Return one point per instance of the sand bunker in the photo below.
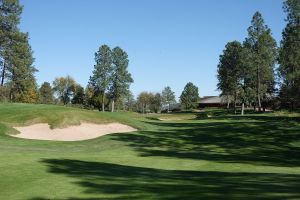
(83, 131)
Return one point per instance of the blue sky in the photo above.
(169, 42)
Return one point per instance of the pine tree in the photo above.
(121, 78)
(23, 87)
(46, 93)
(234, 74)
(263, 53)
(289, 56)
(102, 74)
(78, 95)
(10, 11)
(17, 70)
(229, 70)
(189, 96)
(168, 97)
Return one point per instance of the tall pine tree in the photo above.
(289, 56)
(17, 70)
(121, 78)
(10, 11)
(102, 74)
(229, 69)
(263, 51)
(22, 83)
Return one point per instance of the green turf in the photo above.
(222, 157)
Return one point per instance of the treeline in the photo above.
(148, 102)
(247, 73)
(108, 85)
(68, 92)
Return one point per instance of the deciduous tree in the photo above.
(64, 88)
(78, 97)
(143, 101)
(155, 102)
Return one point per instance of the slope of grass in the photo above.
(221, 157)
(56, 116)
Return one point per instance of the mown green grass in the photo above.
(222, 157)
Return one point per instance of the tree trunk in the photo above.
(113, 105)
(103, 103)
(259, 103)
(235, 104)
(228, 104)
(168, 108)
(243, 108)
(258, 90)
(3, 74)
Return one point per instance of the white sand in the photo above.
(83, 131)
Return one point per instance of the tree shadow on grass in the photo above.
(112, 181)
(259, 140)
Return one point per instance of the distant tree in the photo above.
(143, 101)
(64, 88)
(46, 93)
(263, 52)
(4, 93)
(155, 102)
(289, 56)
(102, 74)
(121, 78)
(88, 96)
(168, 97)
(78, 97)
(189, 96)
(128, 102)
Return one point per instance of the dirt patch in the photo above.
(84, 131)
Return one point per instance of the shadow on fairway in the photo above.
(258, 140)
(127, 182)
